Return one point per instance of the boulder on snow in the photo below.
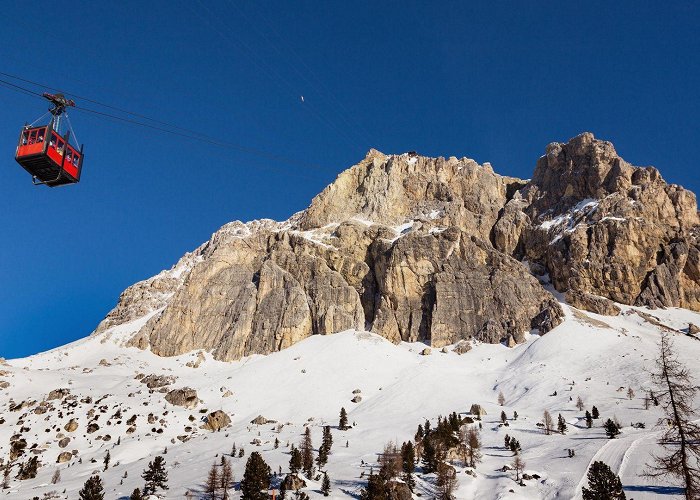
(293, 482)
(425, 352)
(356, 399)
(155, 381)
(64, 456)
(184, 396)
(217, 420)
(477, 410)
(57, 394)
(462, 347)
(693, 329)
(64, 442)
(260, 420)
(71, 426)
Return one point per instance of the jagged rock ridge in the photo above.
(434, 250)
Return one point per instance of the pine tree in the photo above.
(612, 429)
(419, 434)
(322, 457)
(518, 466)
(256, 478)
(56, 478)
(504, 417)
(277, 443)
(136, 495)
(295, 461)
(377, 488)
(594, 413)
(156, 476)
(579, 403)
(327, 441)
(92, 489)
(233, 450)
(548, 423)
(408, 464)
(506, 441)
(515, 446)
(426, 428)
(307, 453)
(212, 482)
(561, 424)
(515, 415)
(589, 419)
(429, 459)
(446, 481)
(473, 447)
(325, 485)
(630, 393)
(343, 422)
(106, 460)
(681, 438)
(226, 478)
(603, 484)
(501, 399)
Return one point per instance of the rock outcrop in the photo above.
(435, 250)
(217, 420)
(185, 396)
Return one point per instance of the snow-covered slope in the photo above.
(594, 357)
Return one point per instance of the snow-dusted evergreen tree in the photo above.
(561, 425)
(612, 429)
(156, 476)
(256, 478)
(295, 461)
(343, 421)
(603, 484)
(92, 489)
(325, 485)
(408, 464)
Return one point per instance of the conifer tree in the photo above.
(515, 415)
(561, 425)
(612, 429)
(408, 464)
(506, 441)
(256, 478)
(92, 489)
(325, 485)
(106, 460)
(419, 434)
(473, 447)
(681, 438)
(579, 403)
(548, 422)
(213, 481)
(295, 461)
(307, 453)
(504, 417)
(226, 478)
(603, 483)
(377, 488)
(630, 393)
(501, 399)
(327, 440)
(518, 466)
(446, 481)
(136, 495)
(277, 443)
(594, 413)
(589, 419)
(343, 422)
(429, 459)
(156, 476)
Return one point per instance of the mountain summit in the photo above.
(434, 250)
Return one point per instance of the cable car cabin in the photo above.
(49, 157)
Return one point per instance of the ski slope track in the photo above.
(594, 357)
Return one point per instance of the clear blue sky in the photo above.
(494, 81)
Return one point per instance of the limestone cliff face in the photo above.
(434, 250)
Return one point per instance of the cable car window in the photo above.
(32, 137)
(54, 138)
(69, 156)
(41, 135)
(25, 137)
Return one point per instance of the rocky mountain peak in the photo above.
(437, 250)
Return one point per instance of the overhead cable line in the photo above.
(194, 135)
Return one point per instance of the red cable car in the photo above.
(47, 155)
